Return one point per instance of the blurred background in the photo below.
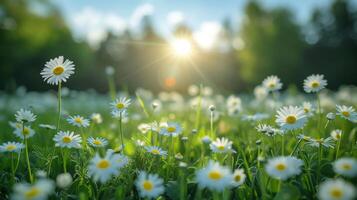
(168, 45)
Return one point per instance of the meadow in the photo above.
(269, 143)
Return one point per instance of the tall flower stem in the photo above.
(282, 145)
(12, 167)
(319, 163)
(320, 111)
(211, 123)
(296, 147)
(121, 132)
(59, 106)
(338, 148)
(27, 154)
(63, 151)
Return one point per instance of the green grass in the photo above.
(180, 182)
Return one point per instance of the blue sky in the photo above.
(90, 18)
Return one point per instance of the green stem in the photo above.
(282, 145)
(28, 160)
(121, 132)
(319, 163)
(296, 147)
(63, 152)
(12, 167)
(338, 148)
(59, 106)
(211, 123)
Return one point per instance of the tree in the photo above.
(273, 45)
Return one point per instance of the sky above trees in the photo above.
(91, 19)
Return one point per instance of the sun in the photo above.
(181, 47)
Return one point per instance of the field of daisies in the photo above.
(267, 144)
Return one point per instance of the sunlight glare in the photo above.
(181, 47)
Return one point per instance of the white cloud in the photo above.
(140, 12)
(207, 34)
(93, 25)
(174, 18)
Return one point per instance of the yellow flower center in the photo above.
(147, 185)
(220, 147)
(103, 164)
(338, 135)
(346, 166)
(237, 178)
(290, 119)
(320, 141)
(271, 85)
(215, 175)
(315, 84)
(26, 131)
(78, 120)
(120, 105)
(280, 166)
(58, 70)
(10, 147)
(306, 110)
(97, 142)
(155, 151)
(336, 193)
(171, 129)
(32, 193)
(346, 113)
(66, 139)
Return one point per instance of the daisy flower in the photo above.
(172, 129)
(25, 116)
(206, 139)
(234, 102)
(308, 108)
(67, 139)
(144, 128)
(314, 83)
(103, 169)
(57, 71)
(78, 121)
(221, 145)
(109, 70)
(11, 147)
(330, 116)
(336, 190)
(38, 191)
(139, 143)
(25, 132)
(96, 118)
(149, 185)
(345, 112)
(97, 142)
(64, 180)
(272, 83)
(265, 129)
(290, 118)
(156, 150)
(238, 177)
(346, 167)
(304, 137)
(15, 125)
(336, 134)
(121, 104)
(214, 176)
(283, 167)
(328, 142)
(260, 92)
(121, 160)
